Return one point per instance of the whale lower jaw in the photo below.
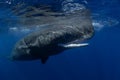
(73, 45)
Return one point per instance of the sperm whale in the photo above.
(61, 34)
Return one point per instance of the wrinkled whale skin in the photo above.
(44, 43)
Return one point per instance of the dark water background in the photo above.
(98, 61)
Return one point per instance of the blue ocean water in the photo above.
(98, 61)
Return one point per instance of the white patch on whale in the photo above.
(73, 45)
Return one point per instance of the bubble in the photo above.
(71, 7)
(102, 22)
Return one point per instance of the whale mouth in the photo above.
(76, 43)
(73, 45)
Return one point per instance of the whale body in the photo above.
(61, 34)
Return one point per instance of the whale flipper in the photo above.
(44, 59)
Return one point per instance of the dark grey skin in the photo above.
(62, 30)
